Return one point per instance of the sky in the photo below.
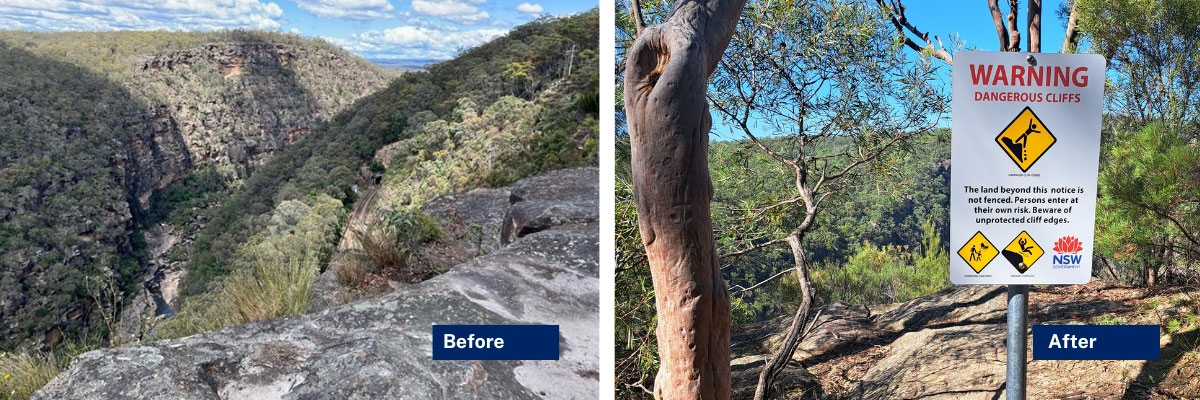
(971, 21)
(378, 30)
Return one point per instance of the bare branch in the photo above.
(998, 20)
(739, 288)
(738, 254)
(1014, 34)
(638, 21)
(1033, 17)
(895, 12)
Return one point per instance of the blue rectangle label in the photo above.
(495, 342)
(1095, 342)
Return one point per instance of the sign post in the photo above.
(1025, 149)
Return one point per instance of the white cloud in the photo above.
(415, 42)
(349, 9)
(454, 10)
(531, 8)
(106, 15)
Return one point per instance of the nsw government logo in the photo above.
(1067, 250)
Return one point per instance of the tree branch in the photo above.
(638, 21)
(1014, 34)
(1033, 17)
(1071, 39)
(895, 12)
(738, 254)
(735, 289)
(998, 20)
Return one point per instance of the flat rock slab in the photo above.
(960, 362)
(381, 348)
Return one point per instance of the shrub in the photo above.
(387, 246)
(886, 274)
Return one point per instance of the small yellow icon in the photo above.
(978, 252)
(1025, 139)
(1022, 252)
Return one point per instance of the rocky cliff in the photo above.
(91, 124)
(381, 348)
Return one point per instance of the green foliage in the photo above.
(177, 203)
(637, 346)
(63, 207)
(274, 271)
(889, 207)
(377, 167)
(1153, 51)
(388, 245)
(1147, 212)
(886, 274)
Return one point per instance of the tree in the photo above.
(666, 75)
(1149, 201)
(1153, 49)
(810, 74)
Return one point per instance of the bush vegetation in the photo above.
(274, 272)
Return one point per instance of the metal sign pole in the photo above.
(1018, 310)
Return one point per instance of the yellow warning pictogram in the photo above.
(1025, 139)
(1022, 252)
(978, 252)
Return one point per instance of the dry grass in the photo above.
(271, 287)
(24, 373)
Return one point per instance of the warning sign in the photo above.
(1025, 146)
(1025, 139)
(1022, 252)
(978, 252)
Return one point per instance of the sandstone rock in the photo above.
(474, 217)
(793, 383)
(953, 305)
(959, 362)
(837, 325)
(556, 198)
(381, 348)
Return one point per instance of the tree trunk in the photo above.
(666, 80)
(796, 331)
(1034, 20)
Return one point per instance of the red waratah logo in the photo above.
(1068, 244)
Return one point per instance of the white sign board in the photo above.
(1025, 152)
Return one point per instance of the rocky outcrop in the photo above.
(474, 218)
(552, 199)
(381, 348)
(951, 345)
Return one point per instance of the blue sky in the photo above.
(972, 22)
(374, 29)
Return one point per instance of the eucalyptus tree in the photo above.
(666, 74)
(826, 90)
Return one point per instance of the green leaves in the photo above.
(1150, 188)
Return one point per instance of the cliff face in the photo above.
(91, 124)
(234, 104)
